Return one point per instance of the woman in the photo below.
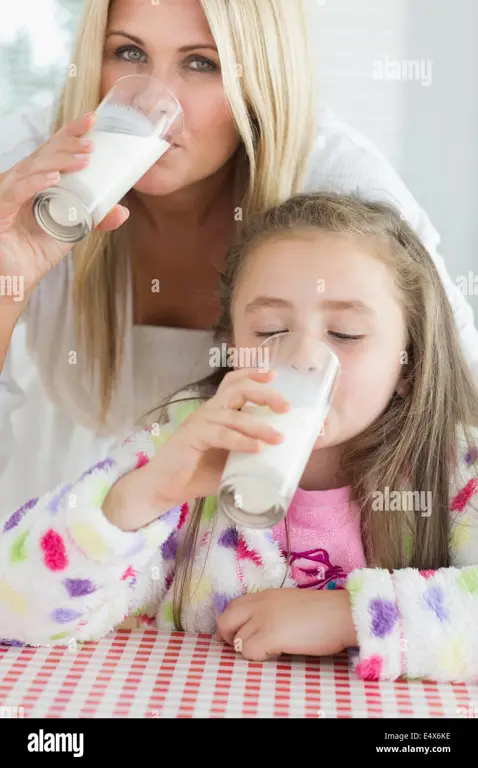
(106, 346)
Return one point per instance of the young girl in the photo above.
(381, 538)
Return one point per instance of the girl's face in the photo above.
(171, 40)
(332, 288)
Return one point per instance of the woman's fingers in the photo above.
(16, 192)
(114, 219)
(79, 126)
(65, 151)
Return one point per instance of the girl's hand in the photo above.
(27, 251)
(288, 620)
(190, 464)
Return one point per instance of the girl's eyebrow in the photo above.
(353, 305)
(184, 49)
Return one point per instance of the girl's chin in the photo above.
(321, 442)
(327, 435)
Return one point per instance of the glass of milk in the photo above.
(136, 123)
(256, 490)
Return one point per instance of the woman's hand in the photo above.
(306, 622)
(26, 251)
(190, 464)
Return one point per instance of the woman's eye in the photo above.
(202, 60)
(345, 337)
(129, 49)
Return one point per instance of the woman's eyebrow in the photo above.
(183, 49)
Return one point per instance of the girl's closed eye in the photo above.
(268, 334)
(345, 338)
(341, 337)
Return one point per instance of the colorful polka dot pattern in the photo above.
(76, 590)
(89, 540)
(54, 504)
(14, 520)
(435, 602)
(54, 551)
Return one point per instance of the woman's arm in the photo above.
(10, 314)
(66, 572)
(424, 623)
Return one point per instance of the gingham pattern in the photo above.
(134, 673)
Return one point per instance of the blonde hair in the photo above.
(268, 74)
(412, 445)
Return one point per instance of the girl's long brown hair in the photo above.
(412, 446)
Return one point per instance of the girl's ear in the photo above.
(404, 384)
(403, 388)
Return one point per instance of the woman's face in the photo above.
(163, 30)
(329, 287)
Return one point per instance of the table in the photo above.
(149, 674)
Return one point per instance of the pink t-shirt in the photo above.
(324, 538)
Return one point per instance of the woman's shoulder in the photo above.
(347, 162)
(22, 131)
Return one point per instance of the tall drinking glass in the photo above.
(256, 490)
(136, 123)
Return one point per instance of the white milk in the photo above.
(264, 479)
(271, 477)
(99, 185)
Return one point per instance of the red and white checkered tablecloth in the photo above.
(134, 673)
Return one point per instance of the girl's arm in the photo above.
(424, 624)
(66, 571)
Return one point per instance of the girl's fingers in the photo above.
(236, 614)
(255, 374)
(254, 392)
(203, 437)
(247, 424)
